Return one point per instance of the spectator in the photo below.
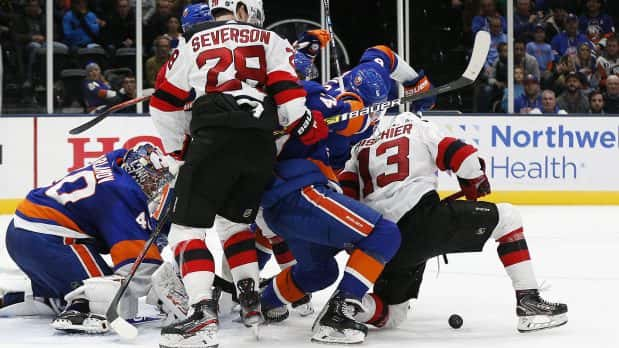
(157, 24)
(128, 91)
(585, 64)
(556, 79)
(555, 24)
(608, 64)
(573, 99)
(496, 37)
(549, 105)
(30, 35)
(97, 91)
(486, 93)
(540, 49)
(154, 63)
(120, 31)
(81, 27)
(531, 98)
(611, 98)
(518, 87)
(174, 31)
(596, 103)
(594, 18)
(487, 10)
(524, 20)
(567, 42)
(525, 60)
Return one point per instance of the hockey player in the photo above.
(230, 63)
(394, 172)
(59, 232)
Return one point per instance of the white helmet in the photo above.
(254, 9)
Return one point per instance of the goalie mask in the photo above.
(148, 167)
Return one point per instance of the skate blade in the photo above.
(327, 335)
(68, 327)
(541, 322)
(178, 341)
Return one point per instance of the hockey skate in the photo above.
(199, 330)
(249, 299)
(304, 306)
(76, 318)
(335, 323)
(535, 313)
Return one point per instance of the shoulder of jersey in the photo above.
(210, 25)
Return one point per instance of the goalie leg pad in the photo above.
(168, 289)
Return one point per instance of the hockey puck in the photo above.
(455, 321)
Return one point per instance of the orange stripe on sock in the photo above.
(130, 249)
(338, 211)
(365, 265)
(88, 260)
(38, 211)
(286, 286)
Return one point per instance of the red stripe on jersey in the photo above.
(515, 257)
(197, 266)
(348, 176)
(460, 155)
(163, 105)
(512, 236)
(442, 147)
(287, 95)
(179, 93)
(278, 76)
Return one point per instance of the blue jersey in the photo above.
(299, 165)
(100, 204)
(95, 92)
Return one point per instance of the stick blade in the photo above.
(481, 47)
(124, 329)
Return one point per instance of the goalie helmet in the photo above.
(195, 14)
(254, 9)
(148, 167)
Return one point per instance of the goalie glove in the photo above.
(476, 187)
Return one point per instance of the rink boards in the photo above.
(530, 160)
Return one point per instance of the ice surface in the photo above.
(574, 250)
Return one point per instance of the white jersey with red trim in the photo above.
(226, 57)
(392, 169)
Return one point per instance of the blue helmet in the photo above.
(195, 14)
(304, 66)
(148, 167)
(369, 85)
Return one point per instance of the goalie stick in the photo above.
(125, 329)
(100, 117)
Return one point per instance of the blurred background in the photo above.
(566, 56)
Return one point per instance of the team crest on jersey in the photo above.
(186, 11)
(358, 80)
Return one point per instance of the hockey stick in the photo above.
(100, 117)
(474, 68)
(333, 48)
(454, 196)
(118, 323)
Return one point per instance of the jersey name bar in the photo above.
(388, 133)
(216, 37)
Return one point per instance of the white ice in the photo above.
(574, 250)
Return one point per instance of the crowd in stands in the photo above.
(94, 48)
(566, 57)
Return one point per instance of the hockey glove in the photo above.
(311, 128)
(311, 41)
(476, 187)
